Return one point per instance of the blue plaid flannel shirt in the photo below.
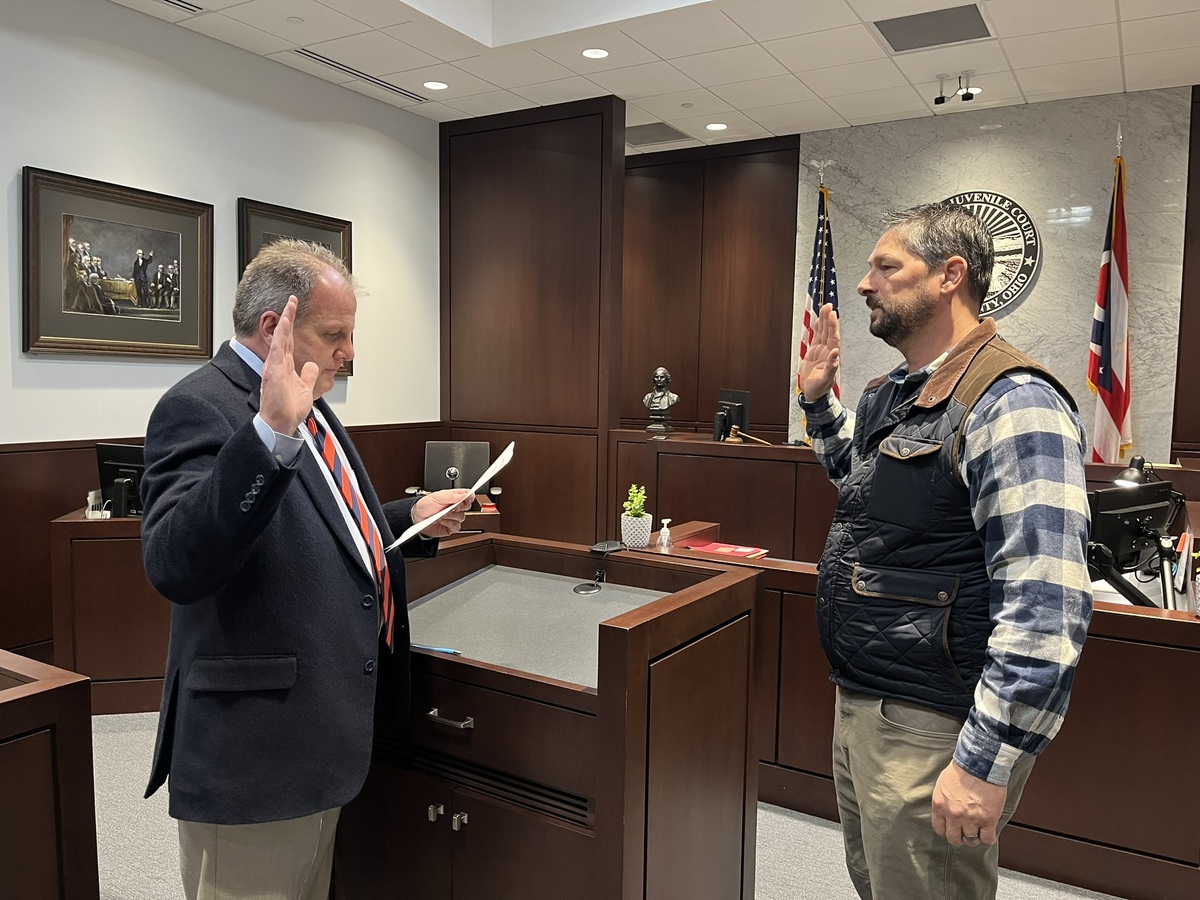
(1022, 461)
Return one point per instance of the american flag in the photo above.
(1108, 355)
(822, 281)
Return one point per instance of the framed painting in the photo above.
(114, 270)
(261, 223)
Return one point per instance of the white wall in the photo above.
(1056, 160)
(93, 89)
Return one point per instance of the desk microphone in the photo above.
(593, 586)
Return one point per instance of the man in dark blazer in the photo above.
(280, 616)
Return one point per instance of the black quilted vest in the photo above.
(903, 595)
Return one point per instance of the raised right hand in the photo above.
(286, 396)
(819, 368)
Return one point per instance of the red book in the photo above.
(730, 550)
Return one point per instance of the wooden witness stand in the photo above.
(1111, 804)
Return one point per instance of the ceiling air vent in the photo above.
(184, 5)
(654, 133)
(933, 29)
(378, 82)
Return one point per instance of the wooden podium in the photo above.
(109, 622)
(592, 746)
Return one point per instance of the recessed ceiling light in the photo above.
(989, 127)
(716, 126)
(436, 85)
(295, 20)
(595, 53)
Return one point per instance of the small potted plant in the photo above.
(635, 521)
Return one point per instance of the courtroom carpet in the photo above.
(798, 857)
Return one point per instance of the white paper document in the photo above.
(413, 530)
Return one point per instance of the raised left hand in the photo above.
(458, 498)
(966, 809)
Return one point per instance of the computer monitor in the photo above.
(733, 408)
(121, 467)
(1129, 533)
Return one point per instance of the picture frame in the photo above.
(259, 223)
(109, 269)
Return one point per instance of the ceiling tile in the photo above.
(727, 66)
(764, 92)
(878, 103)
(461, 84)
(491, 103)
(375, 13)
(686, 31)
(382, 94)
(671, 145)
(1014, 17)
(512, 68)
(439, 112)
(878, 10)
(436, 39)
(155, 8)
(896, 117)
(567, 50)
(1162, 33)
(684, 104)
(839, 46)
(740, 128)
(854, 79)
(925, 65)
(635, 115)
(1100, 76)
(299, 22)
(231, 31)
(218, 5)
(1071, 45)
(791, 118)
(304, 64)
(374, 53)
(1170, 68)
(646, 80)
(765, 20)
(1140, 9)
(563, 90)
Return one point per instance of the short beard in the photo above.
(900, 322)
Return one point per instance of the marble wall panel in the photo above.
(1056, 160)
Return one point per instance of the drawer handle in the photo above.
(433, 716)
(458, 821)
(435, 810)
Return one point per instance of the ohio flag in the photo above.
(1108, 355)
(822, 281)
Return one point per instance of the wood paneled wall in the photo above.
(1185, 429)
(710, 261)
(531, 261)
(48, 480)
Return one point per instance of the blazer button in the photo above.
(368, 601)
(244, 506)
(369, 667)
(259, 480)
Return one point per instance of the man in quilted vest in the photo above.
(953, 595)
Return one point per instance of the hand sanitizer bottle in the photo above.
(664, 536)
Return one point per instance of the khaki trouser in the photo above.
(288, 860)
(887, 755)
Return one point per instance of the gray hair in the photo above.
(934, 232)
(281, 269)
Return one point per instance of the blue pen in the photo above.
(437, 649)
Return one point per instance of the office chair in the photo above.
(453, 464)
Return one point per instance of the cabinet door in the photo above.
(393, 840)
(504, 853)
(806, 695)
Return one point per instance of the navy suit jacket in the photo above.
(275, 655)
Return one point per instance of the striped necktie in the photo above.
(358, 512)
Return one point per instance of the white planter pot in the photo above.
(635, 531)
